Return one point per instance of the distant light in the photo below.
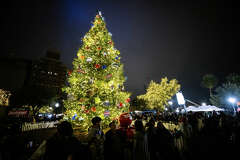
(50, 116)
(170, 102)
(57, 105)
(177, 110)
(232, 100)
(204, 104)
(50, 108)
(180, 98)
(166, 109)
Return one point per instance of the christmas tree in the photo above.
(95, 85)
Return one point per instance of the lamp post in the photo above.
(232, 100)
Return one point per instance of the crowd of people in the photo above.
(144, 137)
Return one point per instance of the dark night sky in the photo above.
(177, 39)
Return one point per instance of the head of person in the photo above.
(112, 125)
(160, 125)
(96, 121)
(125, 120)
(151, 123)
(65, 128)
(138, 125)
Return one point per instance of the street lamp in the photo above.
(232, 100)
(57, 105)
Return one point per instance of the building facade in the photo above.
(48, 71)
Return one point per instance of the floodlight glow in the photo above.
(57, 105)
(180, 98)
(170, 103)
(232, 100)
(204, 104)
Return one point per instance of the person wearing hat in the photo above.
(96, 139)
(125, 133)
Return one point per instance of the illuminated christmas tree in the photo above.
(96, 81)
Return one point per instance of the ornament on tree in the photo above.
(110, 34)
(110, 42)
(83, 107)
(69, 72)
(112, 87)
(106, 103)
(104, 53)
(86, 111)
(80, 118)
(120, 104)
(122, 88)
(70, 97)
(90, 93)
(90, 81)
(97, 16)
(106, 113)
(104, 67)
(100, 13)
(74, 117)
(87, 47)
(89, 59)
(93, 109)
(117, 58)
(82, 57)
(81, 100)
(99, 48)
(108, 76)
(128, 100)
(80, 70)
(115, 65)
(97, 66)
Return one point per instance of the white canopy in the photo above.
(207, 108)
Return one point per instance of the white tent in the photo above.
(207, 108)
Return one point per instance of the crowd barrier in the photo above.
(35, 126)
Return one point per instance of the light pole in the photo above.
(232, 100)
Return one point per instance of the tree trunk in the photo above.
(210, 92)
